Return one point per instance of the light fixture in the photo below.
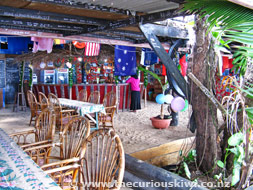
(105, 60)
(79, 59)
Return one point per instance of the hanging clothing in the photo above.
(148, 57)
(42, 44)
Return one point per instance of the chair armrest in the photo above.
(60, 163)
(22, 133)
(35, 144)
(21, 138)
(65, 111)
(42, 152)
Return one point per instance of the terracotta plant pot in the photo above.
(160, 123)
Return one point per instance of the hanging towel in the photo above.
(42, 44)
(125, 60)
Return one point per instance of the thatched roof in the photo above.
(43, 56)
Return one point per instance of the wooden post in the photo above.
(117, 98)
(145, 97)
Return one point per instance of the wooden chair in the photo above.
(63, 116)
(65, 171)
(43, 101)
(69, 144)
(94, 97)
(42, 134)
(34, 106)
(103, 159)
(109, 103)
(82, 95)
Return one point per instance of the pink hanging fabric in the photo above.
(42, 44)
(183, 63)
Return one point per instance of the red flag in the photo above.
(92, 49)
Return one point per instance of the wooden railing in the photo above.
(63, 91)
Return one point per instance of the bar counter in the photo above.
(122, 90)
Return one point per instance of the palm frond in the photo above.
(219, 11)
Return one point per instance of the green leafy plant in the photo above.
(190, 158)
(163, 86)
(230, 24)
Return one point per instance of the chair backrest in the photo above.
(32, 101)
(45, 125)
(109, 101)
(94, 97)
(82, 95)
(103, 159)
(73, 137)
(43, 100)
(54, 102)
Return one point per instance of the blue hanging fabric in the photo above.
(150, 57)
(124, 60)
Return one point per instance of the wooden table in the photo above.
(84, 108)
(18, 171)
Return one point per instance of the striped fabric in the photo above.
(92, 49)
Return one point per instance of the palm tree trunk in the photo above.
(204, 111)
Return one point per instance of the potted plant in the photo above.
(160, 121)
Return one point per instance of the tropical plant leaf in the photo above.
(228, 22)
(236, 139)
(220, 164)
(187, 171)
(236, 173)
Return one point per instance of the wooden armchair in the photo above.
(34, 106)
(69, 144)
(103, 160)
(94, 97)
(82, 95)
(109, 103)
(43, 101)
(63, 116)
(64, 171)
(42, 134)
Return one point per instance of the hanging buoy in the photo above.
(79, 45)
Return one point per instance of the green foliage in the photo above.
(190, 158)
(153, 75)
(220, 164)
(116, 78)
(229, 23)
(187, 171)
(30, 76)
(235, 139)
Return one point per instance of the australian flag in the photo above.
(124, 60)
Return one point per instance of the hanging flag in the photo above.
(59, 41)
(91, 49)
(125, 61)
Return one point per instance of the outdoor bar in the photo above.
(118, 94)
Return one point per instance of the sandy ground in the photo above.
(134, 129)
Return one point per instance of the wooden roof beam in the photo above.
(149, 18)
(49, 16)
(17, 27)
(84, 6)
(39, 24)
